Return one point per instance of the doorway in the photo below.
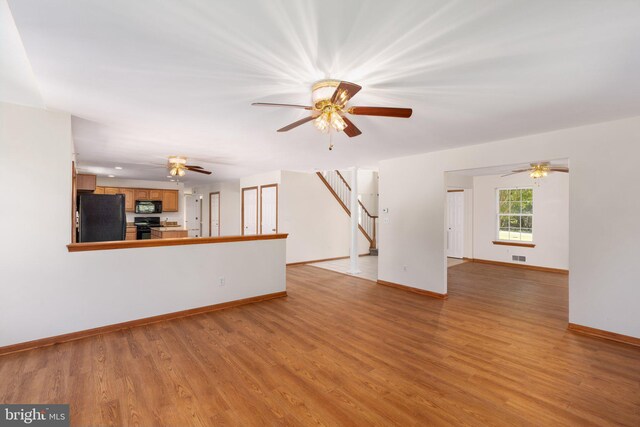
(455, 224)
(193, 214)
(214, 214)
(269, 209)
(249, 211)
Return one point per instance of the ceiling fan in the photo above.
(178, 166)
(540, 170)
(329, 109)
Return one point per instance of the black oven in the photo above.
(148, 207)
(144, 225)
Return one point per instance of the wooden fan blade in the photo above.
(296, 124)
(269, 104)
(381, 111)
(344, 92)
(193, 167)
(198, 170)
(351, 130)
(515, 172)
(559, 169)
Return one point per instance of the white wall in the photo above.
(229, 207)
(48, 291)
(603, 284)
(550, 220)
(266, 178)
(318, 227)
(138, 183)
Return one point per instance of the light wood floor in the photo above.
(344, 351)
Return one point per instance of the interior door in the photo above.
(193, 214)
(214, 214)
(455, 224)
(249, 211)
(269, 209)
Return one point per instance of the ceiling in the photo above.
(146, 79)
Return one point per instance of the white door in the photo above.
(193, 214)
(269, 209)
(214, 214)
(250, 211)
(455, 224)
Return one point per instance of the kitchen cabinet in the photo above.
(131, 233)
(111, 190)
(85, 182)
(141, 194)
(168, 233)
(170, 201)
(169, 198)
(129, 199)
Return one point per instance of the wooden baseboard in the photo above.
(586, 330)
(44, 342)
(524, 266)
(321, 260)
(414, 290)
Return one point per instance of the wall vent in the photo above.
(519, 258)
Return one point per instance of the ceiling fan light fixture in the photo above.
(322, 123)
(539, 171)
(337, 122)
(177, 170)
(329, 108)
(323, 90)
(177, 160)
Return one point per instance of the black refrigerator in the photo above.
(101, 218)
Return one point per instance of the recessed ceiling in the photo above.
(146, 79)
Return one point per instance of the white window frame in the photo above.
(498, 214)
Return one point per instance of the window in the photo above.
(515, 214)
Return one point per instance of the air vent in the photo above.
(518, 258)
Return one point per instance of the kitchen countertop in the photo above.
(170, 228)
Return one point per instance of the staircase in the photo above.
(341, 190)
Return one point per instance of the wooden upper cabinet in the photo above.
(170, 201)
(85, 182)
(111, 190)
(129, 199)
(141, 194)
(169, 197)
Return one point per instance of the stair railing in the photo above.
(341, 190)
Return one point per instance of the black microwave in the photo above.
(148, 206)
